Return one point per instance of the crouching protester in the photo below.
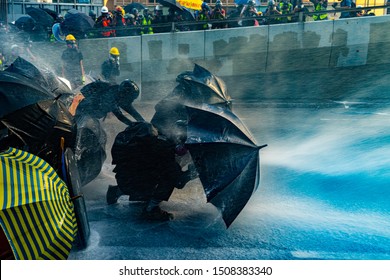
(146, 169)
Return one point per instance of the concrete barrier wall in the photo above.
(263, 54)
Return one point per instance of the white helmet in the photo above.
(104, 10)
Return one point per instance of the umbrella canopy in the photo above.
(199, 86)
(90, 148)
(133, 5)
(204, 87)
(198, 113)
(40, 16)
(42, 76)
(41, 126)
(191, 4)
(25, 23)
(77, 23)
(37, 214)
(23, 84)
(73, 181)
(17, 91)
(72, 12)
(52, 13)
(226, 157)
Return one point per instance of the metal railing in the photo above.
(237, 22)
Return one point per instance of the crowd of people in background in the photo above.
(114, 23)
(118, 22)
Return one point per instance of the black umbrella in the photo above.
(133, 5)
(52, 13)
(226, 157)
(171, 4)
(41, 126)
(17, 91)
(199, 86)
(198, 112)
(90, 147)
(72, 12)
(25, 23)
(77, 23)
(202, 86)
(43, 77)
(40, 16)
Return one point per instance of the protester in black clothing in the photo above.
(218, 13)
(101, 98)
(110, 67)
(160, 19)
(146, 169)
(299, 8)
(271, 11)
(131, 24)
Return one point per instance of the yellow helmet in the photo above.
(114, 51)
(70, 37)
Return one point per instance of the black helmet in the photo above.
(128, 90)
(134, 11)
(251, 3)
(205, 7)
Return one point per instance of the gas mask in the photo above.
(114, 59)
(71, 44)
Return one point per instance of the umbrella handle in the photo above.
(62, 161)
(76, 197)
(62, 144)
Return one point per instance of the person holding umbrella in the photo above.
(110, 67)
(72, 62)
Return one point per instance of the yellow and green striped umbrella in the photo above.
(37, 214)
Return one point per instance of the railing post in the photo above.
(300, 18)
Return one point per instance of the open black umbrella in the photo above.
(40, 75)
(40, 16)
(202, 86)
(72, 12)
(22, 79)
(77, 23)
(41, 126)
(198, 113)
(25, 23)
(52, 13)
(133, 5)
(226, 157)
(17, 91)
(199, 86)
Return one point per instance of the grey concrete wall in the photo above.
(276, 61)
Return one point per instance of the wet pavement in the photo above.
(323, 194)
